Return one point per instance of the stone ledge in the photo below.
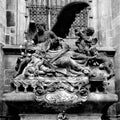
(29, 96)
(21, 96)
(107, 49)
(54, 117)
(12, 49)
(70, 116)
(24, 103)
(101, 97)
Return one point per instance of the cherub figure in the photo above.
(86, 42)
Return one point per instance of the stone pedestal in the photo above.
(23, 105)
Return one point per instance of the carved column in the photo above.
(93, 15)
(104, 22)
(21, 21)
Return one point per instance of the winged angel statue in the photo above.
(58, 72)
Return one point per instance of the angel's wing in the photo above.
(66, 17)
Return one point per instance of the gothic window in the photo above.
(42, 11)
(10, 21)
(38, 11)
(81, 21)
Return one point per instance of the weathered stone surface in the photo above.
(115, 7)
(104, 22)
(21, 96)
(2, 36)
(117, 76)
(29, 96)
(54, 117)
(21, 21)
(98, 24)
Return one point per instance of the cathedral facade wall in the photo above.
(105, 18)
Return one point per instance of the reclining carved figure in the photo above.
(57, 55)
(51, 56)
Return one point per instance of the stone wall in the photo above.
(104, 23)
(2, 38)
(21, 21)
(115, 4)
(106, 10)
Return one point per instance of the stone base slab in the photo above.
(54, 117)
(29, 96)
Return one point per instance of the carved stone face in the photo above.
(41, 30)
(89, 31)
(98, 74)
